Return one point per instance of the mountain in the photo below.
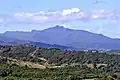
(10, 41)
(39, 44)
(79, 39)
(4, 39)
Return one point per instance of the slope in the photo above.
(68, 37)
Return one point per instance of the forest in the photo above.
(23, 62)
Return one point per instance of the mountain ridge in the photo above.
(67, 37)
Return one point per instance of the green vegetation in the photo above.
(32, 63)
(69, 73)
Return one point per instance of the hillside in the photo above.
(4, 39)
(56, 56)
(79, 39)
(11, 41)
(18, 62)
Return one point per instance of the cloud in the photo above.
(61, 16)
(70, 11)
(99, 14)
(1, 20)
(99, 1)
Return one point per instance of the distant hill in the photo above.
(42, 45)
(38, 44)
(79, 39)
(4, 39)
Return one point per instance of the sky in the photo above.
(97, 16)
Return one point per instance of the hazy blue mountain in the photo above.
(44, 45)
(2, 42)
(68, 37)
(4, 39)
(38, 44)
